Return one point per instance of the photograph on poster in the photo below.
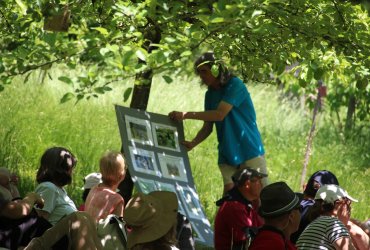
(146, 185)
(172, 167)
(166, 137)
(138, 130)
(191, 202)
(196, 233)
(144, 161)
(169, 187)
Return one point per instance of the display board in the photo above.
(157, 161)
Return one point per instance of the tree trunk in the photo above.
(350, 113)
(140, 95)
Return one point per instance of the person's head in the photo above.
(91, 180)
(318, 179)
(248, 181)
(56, 166)
(211, 70)
(4, 177)
(112, 168)
(280, 207)
(151, 219)
(331, 199)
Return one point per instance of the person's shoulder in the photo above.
(46, 185)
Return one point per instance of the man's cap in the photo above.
(331, 193)
(150, 216)
(321, 177)
(277, 199)
(241, 175)
(91, 180)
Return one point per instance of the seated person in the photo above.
(329, 216)
(236, 214)
(54, 173)
(19, 224)
(280, 209)
(151, 220)
(317, 179)
(8, 184)
(91, 180)
(103, 199)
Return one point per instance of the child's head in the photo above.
(112, 168)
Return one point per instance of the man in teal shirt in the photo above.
(229, 106)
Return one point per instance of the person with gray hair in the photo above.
(228, 106)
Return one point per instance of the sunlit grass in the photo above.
(32, 120)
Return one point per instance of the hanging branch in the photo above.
(6, 20)
(312, 133)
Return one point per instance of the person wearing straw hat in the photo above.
(329, 215)
(280, 209)
(151, 221)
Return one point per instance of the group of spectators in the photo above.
(252, 214)
(320, 218)
(48, 218)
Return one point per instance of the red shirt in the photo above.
(269, 238)
(233, 217)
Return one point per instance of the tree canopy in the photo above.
(296, 43)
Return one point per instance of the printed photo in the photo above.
(144, 161)
(171, 188)
(166, 137)
(145, 185)
(172, 167)
(191, 202)
(138, 130)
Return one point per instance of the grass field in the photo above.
(32, 120)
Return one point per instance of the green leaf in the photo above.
(140, 53)
(1, 88)
(65, 79)
(68, 96)
(22, 6)
(218, 20)
(127, 94)
(99, 90)
(102, 31)
(167, 79)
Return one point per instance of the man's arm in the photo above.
(203, 133)
(208, 116)
(20, 208)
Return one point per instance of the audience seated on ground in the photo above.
(103, 199)
(8, 184)
(91, 180)
(329, 215)
(236, 217)
(21, 227)
(280, 209)
(54, 173)
(151, 220)
(317, 179)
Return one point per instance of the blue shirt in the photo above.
(238, 137)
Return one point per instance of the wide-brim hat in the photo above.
(277, 199)
(322, 177)
(331, 193)
(150, 216)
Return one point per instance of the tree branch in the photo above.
(6, 20)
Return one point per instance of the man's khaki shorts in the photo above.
(258, 163)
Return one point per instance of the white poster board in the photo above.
(157, 161)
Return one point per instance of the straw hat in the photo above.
(150, 216)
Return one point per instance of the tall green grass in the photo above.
(32, 120)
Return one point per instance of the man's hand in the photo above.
(177, 116)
